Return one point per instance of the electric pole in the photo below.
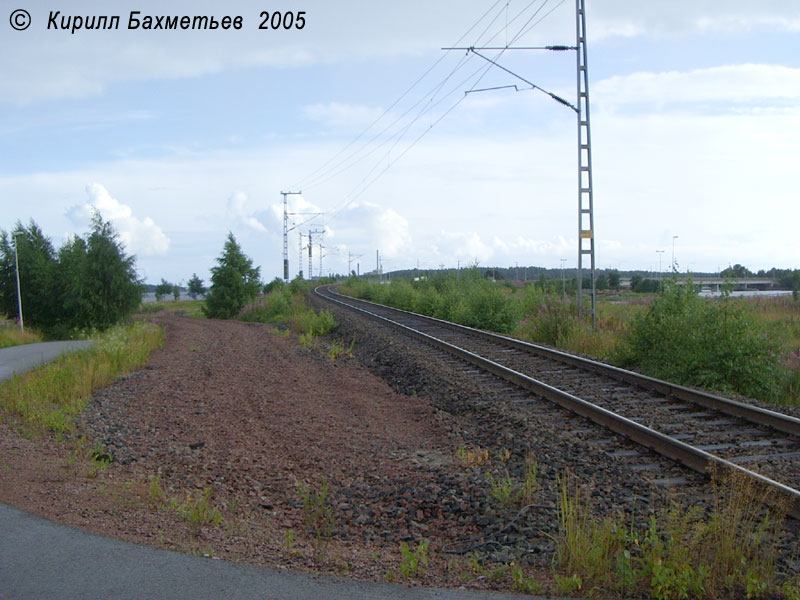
(300, 254)
(310, 247)
(585, 192)
(286, 234)
(350, 259)
(586, 236)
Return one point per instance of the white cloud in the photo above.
(622, 18)
(336, 114)
(140, 236)
(375, 226)
(747, 83)
(238, 211)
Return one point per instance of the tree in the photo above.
(176, 292)
(737, 271)
(195, 286)
(613, 280)
(71, 278)
(163, 289)
(234, 282)
(89, 283)
(37, 265)
(112, 288)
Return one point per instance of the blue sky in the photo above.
(179, 137)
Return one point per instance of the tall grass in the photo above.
(10, 335)
(288, 305)
(189, 308)
(49, 397)
(683, 552)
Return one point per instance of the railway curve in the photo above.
(699, 430)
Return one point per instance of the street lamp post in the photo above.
(674, 237)
(19, 290)
(660, 254)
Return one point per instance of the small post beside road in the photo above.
(19, 289)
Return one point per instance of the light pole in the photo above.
(660, 254)
(674, 237)
(19, 290)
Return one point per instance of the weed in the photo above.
(413, 561)
(306, 340)
(683, 553)
(508, 492)
(530, 481)
(317, 515)
(501, 490)
(155, 491)
(336, 350)
(521, 583)
(288, 541)
(568, 586)
(197, 509)
(473, 457)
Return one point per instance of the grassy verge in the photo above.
(288, 306)
(189, 308)
(10, 335)
(48, 398)
(728, 551)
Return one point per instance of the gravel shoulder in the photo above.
(245, 412)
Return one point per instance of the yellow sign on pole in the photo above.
(586, 235)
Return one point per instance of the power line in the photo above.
(399, 99)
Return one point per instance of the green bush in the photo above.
(551, 322)
(717, 345)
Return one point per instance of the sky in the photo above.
(179, 137)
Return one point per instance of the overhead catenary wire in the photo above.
(343, 165)
(366, 182)
(385, 146)
(397, 101)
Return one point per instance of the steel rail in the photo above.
(754, 414)
(694, 458)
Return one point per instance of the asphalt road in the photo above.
(18, 359)
(43, 560)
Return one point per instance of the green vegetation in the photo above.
(10, 335)
(234, 282)
(165, 288)
(732, 345)
(716, 345)
(413, 561)
(189, 308)
(89, 284)
(288, 306)
(195, 286)
(317, 515)
(48, 398)
(682, 553)
(197, 510)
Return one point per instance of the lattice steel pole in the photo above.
(585, 195)
(286, 235)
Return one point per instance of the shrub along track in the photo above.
(623, 474)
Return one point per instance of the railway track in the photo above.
(700, 430)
